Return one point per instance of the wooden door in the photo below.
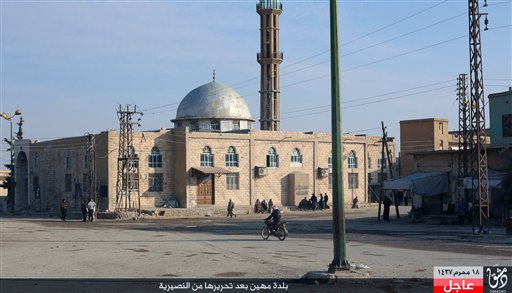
(205, 189)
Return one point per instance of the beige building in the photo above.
(196, 168)
(210, 156)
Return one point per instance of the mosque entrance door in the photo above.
(205, 189)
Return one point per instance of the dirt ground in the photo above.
(216, 247)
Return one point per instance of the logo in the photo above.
(496, 279)
(458, 279)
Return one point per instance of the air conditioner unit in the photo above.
(323, 172)
(261, 171)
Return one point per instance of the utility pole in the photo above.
(464, 138)
(385, 158)
(128, 162)
(340, 261)
(479, 171)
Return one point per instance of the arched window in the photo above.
(352, 160)
(67, 160)
(329, 162)
(207, 157)
(296, 156)
(132, 154)
(231, 157)
(155, 158)
(272, 158)
(86, 159)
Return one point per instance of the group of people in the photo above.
(88, 208)
(263, 207)
(314, 203)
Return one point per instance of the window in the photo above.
(133, 182)
(231, 157)
(272, 158)
(86, 160)
(194, 125)
(67, 183)
(441, 145)
(207, 157)
(296, 157)
(156, 182)
(353, 182)
(155, 158)
(441, 128)
(330, 180)
(86, 182)
(215, 125)
(232, 181)
(35, 160)
(133, 162)
(381, 163)
(506, 125)
(352, 160)
(369, 162)
(236, 125)
(67, 160)
(329, 162)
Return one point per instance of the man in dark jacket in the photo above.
(231, 207)
(387, 204)
(84, 210)
(276, 218)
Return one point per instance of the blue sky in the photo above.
(68, 64)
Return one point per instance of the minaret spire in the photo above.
(213, 75)
(269, 58)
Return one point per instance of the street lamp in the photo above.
(9, 118)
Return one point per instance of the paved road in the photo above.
(211, 247)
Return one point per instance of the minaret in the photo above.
(269, 58)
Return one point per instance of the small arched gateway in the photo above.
(21, 190)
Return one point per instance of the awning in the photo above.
(421, 183)
(211, 170)
(495, 178)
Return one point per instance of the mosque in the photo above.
(210, 155)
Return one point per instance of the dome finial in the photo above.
(214, 75)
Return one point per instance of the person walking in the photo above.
(326, 198)
(83, 207)
(63, 209)
(355, 204)
(231, 207)
(91, 206)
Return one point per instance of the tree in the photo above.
(6, 184)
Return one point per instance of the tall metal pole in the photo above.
(338, 209)
(479, 171)
(12, 170)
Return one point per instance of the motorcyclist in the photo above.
(276, 218)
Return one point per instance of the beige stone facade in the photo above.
(59, 169)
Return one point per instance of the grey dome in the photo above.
(213, 101)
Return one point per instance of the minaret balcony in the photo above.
(269, 4)
(276, 56)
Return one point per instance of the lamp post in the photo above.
(9, 118)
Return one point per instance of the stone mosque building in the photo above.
(211, 155)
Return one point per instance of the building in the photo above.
(426, 146)
(429, 134)
(500, 105)
(202, 166)
(211, 155)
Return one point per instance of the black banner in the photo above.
(214, 285)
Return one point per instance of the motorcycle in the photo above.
(280, 232)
